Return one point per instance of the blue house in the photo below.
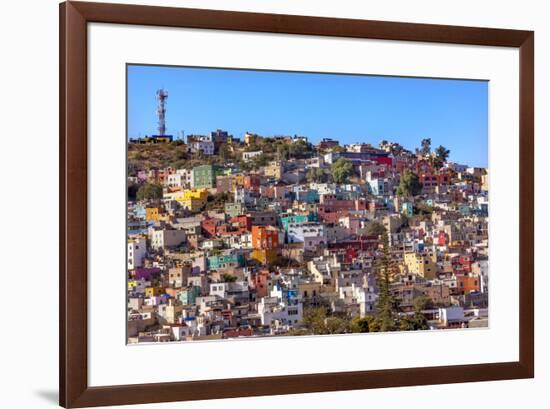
(407, 208)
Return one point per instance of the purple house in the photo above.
(146, 272)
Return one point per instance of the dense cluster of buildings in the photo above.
(232, 249)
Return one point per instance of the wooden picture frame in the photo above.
(73, 333)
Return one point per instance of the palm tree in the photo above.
(386, 301)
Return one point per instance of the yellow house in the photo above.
(174, 195)
(132, 284)
(152, 214)
(194, 199)
(191, 199)
(274, 169)
(152, 291)
(264, 256)
(250, 138)
(420, 264)
(238, 180)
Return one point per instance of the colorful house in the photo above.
(265, 237)
(234, 209)
(467, 284)
(407, 208)
(226, 261)
(188, 296)
(265, 241)
(204, 176)
(153, 291)
(146, 273)
(420, 264)
(194, 199)
(152, 214)
(297, 219)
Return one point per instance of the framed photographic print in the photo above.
(256, 204)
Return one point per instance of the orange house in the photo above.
(467, 284)
(265, 237)
(258, 281)
(265, 240)
(152, 214)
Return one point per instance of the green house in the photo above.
(297, 219)
(226, 261)
(188, 296)
(234, 209)
(204, 176)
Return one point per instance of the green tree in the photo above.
(441, 155)
(409, 185)
(267, 146)
(375, 228)
(316, 175)
(229, 278)
(149, 191)
(336, 325)
(425, 147)
(386, 303)
(258, 161)
(314, 320)
(253, 147)
(300, 148)
(341, 170)
(283, 152)
(417, 321)
(422, 303)
(366, 324)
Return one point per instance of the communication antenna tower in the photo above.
(162, 96)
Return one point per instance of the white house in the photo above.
(238, 291)
(323, 269)
(312, 234)
(273, 310)
(365, 297)
(181, 178)
(324, 188)
(206, 147)
(242, 195)
(161, 239)
(249, 155)
(137, 249)
(315, 162)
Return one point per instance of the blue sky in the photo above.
(350, 108)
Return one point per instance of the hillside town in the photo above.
(274, 235)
